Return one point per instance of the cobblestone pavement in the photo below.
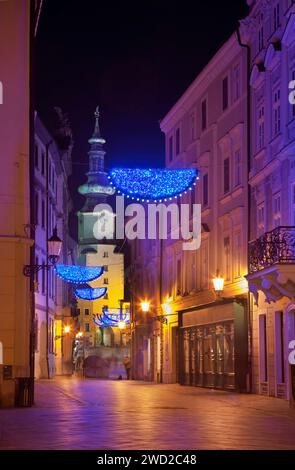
(95, 414)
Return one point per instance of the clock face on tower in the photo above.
(104, 227)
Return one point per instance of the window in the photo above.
(87, 327)
(86, 311)
(78, 311)
(204, 114)
(106, 254)
(177, 142)
(226, 176)
(260, 219)
(236, 82)
(170, 149)
(224, 93)
(226, 246)
(205, 190)
(238, 168)
(276, 111)
(260, 122)
(43, 214)
(277, 210)
(43, 163)
(105, 268)
(260, 33)
(105, 280)
(106, 296)
(279, 346)
(262, 348)
(276, 16)
(36, 208)
(36, 156)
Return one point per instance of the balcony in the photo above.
(275, 247)
(272, 264)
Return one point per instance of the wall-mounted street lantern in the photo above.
(54, 247)
(67, 330)
(145, 306)
(218, 283)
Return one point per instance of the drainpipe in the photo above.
(47, 259)
(249, 307)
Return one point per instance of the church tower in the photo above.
(96, 190)
(98, 247)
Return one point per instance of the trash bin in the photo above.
(24, 393)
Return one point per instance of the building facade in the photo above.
(269, 32)
(191, 335)
(98, 247)
(18, 24)
(53, 166)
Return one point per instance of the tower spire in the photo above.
(96, 136)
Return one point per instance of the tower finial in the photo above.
(96, 137)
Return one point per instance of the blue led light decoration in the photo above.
(78, 274)
(153, 184)
(111, 317)
(90, 293)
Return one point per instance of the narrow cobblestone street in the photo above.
(93, 414)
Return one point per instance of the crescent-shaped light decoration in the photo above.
(90, 293)
(101, 321)
(78, 274)
(153, 184)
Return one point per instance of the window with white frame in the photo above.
(276, 111)
(276, 16)
(277, 210)
(236, 82)
(238, 168)
(260, 127)
(260, 219)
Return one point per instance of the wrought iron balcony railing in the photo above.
(275, 247)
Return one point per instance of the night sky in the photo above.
(134, 59)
